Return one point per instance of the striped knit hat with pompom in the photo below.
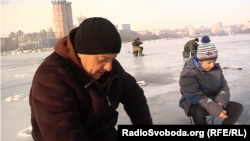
(206, 50)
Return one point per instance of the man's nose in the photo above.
(108, 66)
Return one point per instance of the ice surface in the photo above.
(157, 72)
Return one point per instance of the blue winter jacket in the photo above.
(198, 86)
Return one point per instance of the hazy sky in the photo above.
(35, 15)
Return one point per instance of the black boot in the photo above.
(140, 53)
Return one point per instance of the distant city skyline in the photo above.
(33, 16)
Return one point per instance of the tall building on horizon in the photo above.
(63, 19)
(191, 30)
(248, 24)
(126, 27)
(217, 27)
(79, 19)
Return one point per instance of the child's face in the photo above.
(207, 65)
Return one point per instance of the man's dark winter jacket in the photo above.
(67, 105)
(137, 43)
(201, 87)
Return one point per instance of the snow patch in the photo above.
(17, 97)
(26, 132)
(21, 75)
(141, 83)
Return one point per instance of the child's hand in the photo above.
(223, 114)
(220, 104)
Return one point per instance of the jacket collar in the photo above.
(64, 47)
(193, 63)
(196, 63)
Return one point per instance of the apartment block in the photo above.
(63, 20)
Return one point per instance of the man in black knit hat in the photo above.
(76, 90)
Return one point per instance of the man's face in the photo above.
(97, 65)
(207, 65)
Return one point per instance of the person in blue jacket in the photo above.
(204, 88)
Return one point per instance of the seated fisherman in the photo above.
(136, 46)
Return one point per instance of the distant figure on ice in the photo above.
(190, 46)
(77, 89)
(137, 48)
(204, 88)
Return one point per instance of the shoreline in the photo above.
(15, 52)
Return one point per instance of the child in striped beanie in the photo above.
(206, 50)
(207, 54)
(205, 90)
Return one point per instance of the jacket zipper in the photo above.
(88, 84)
(107, 97)
(211, 83)
(108, 100)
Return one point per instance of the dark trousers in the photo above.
(199, 113)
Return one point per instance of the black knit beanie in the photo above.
(97, 36)
(196, 39)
